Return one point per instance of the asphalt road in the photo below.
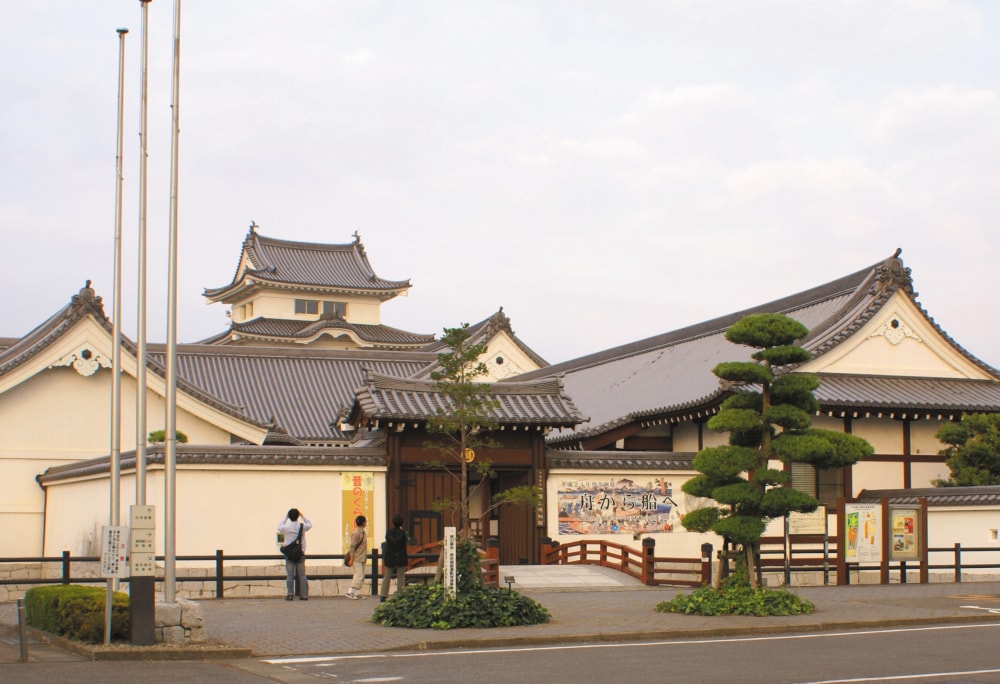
(928, 654)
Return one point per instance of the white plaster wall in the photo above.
(924, 474)
(364, 310)
(61, 417)
(686, 437)
(922, 439)
(515, 361)
(885, 435)
(235, 509)
(877, 475)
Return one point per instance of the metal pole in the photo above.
(142, 589)
(116, 354)
(142, 353)
(170, 457)
(22, 631)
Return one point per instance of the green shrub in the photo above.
(77, 612)
(423, 607)
(735, 597)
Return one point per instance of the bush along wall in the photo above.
(77, 612)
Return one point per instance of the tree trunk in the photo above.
(750, 555)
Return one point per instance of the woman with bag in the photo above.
(358, 552)
(291, 530)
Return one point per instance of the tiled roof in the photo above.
(280, 330)
(936, 496)
(226, 455)
(670, 374)
(926, 395)
(301, 391)
(541, 403)
(307, 264)
(619, 460)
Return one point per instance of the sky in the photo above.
(604, 171)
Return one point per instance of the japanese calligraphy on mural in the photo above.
(616, 506)
(357, 498)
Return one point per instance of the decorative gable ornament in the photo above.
(84, 361)
(895, 331)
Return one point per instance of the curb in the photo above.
(208, 650)
(677, 633)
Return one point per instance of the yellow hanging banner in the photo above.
(358, 498)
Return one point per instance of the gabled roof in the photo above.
(669, 376)
(81, 305)
(86, 304)
(386, 399)
(305, 265)
(267, 330)
(481, 333)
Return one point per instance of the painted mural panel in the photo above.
(616, 505)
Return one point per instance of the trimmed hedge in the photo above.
(77, 612)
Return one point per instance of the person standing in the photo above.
(359, 555)
(294, 526)
(395, 558)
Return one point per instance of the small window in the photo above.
(335, 309)
(306, 306)
(826, 485)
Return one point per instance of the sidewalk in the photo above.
(587, 604)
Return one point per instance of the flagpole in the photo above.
(142, 353)
(170, 457)
(116, 332)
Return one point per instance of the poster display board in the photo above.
(807, 523)
(905, 531)
(863, 533)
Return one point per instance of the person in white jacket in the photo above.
(293, 527)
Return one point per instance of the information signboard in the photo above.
(863, 532)
(114, 551)
(905, 533)
(449, 571)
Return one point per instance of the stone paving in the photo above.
(596, 605)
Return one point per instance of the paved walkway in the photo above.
(587, 604)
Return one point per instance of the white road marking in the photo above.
(630, 644)
(962, 673)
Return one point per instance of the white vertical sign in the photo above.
(448, 560)
(114, 551)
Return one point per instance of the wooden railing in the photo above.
(642, 564)
(419, 557)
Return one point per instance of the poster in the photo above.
(905, 534)
(358, 498)
(807, 523)
(617, 505)
(863, 529)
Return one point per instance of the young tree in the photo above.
(973, 450)
(767, 419)
(465, 422)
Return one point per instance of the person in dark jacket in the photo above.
(394, 557)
